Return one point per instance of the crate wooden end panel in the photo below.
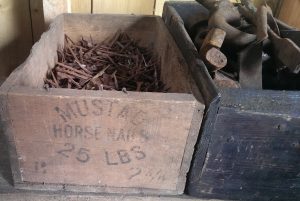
(254, 151)
(108, 140)
(252, 137)
(178, 16)
(104, 141)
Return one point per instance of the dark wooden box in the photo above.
(249, 147)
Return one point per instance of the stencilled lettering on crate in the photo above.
(102, 142)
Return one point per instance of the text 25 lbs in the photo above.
(118, 157)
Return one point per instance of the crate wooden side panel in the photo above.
(8, 193)
(37, 19)
(254, 151)
(128, 141)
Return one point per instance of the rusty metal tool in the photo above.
(223, 81)
(258, 17)
(214, 59)
(261, 17)
(214, 38)
(210, 50)
(286, 51)
(272, 22)
(283, 48)
(250, 59)
(222, 15)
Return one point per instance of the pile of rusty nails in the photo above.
(247, 30)
(119, 65)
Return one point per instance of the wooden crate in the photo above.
(249, 146)
(9, 193)
(101, 141)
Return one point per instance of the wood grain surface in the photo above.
(15, 34)
(289, 12)
(102, 141)
(105, 141)
(37, 19)
(8, 193)
(254, 150)
(124, 6)
(81, 6)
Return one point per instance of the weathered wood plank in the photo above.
(15, 34)
(53, 8)
(289, 12)
(63, 197)
(8, 193)
(37, 18)
(198, 70)
(253, 156)
(81, 6)
(117, 151)
(124, 6)
(254, 149)
(159, 5)
(267, 102)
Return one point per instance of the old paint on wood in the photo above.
(201, 76)
(254, 147)
(101, 141)
(254, 153)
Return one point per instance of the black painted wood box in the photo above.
(249, 147)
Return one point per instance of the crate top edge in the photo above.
(264, 101)
(109, 14)
(105, 94)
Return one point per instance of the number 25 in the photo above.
(82, 154)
